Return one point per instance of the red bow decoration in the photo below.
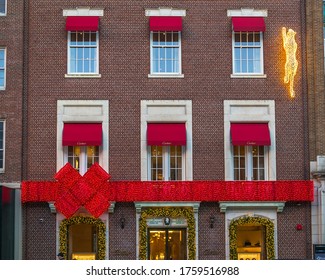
(76, 191)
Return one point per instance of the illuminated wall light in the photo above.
(291, 65)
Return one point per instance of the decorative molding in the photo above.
(52, 207)
(224, 206)
(164, 11)
(247, 12)
(140, 205)
(84, 11)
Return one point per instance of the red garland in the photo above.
(93, 191)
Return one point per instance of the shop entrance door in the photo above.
(82, 243)
(167, 244)
(251, 242)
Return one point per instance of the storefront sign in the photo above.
(160, 222)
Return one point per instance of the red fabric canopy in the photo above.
(249, 134)
(166, 134)
(248, 24)
(82, 134)
(82, 23)
(165, 23)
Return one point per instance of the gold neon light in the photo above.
(291, 65)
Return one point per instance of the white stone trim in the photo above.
(166, 111)
(83, 111)
(83, 11)
(246, 12)
(140, 205)
(162, 11)
(171, 76)
(248, 76)
(259, 211)
(249, 111)
(105, 219)
(83, 76)
(224, 206)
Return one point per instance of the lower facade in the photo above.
(171, 230)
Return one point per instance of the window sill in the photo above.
(261, 76)
(83, 76)
(166, 76)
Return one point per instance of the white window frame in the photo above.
(243, 46)
(82, 111)
(249, 172)
(246, 111)
(166, 163)
(3, 87)
(165, 12)
(167, 111)
(85, 74)
(83, 11)
(247, 12)
(83, 157)
(162, 47)
(5, 6)
(2, 168)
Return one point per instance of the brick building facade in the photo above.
(11, 112)
(206, 91)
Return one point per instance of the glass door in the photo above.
(82, 242)
(167, 244)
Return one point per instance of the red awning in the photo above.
(82, 134)
(166, 134)
(83, 23)
(250, 134)
(165, 23)
(248, 24)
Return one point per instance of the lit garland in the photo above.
(269, 240)
(101, 239)
(93, 191)
(171, 213)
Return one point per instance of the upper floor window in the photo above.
(2, 68)
(165, 46)
(249, 162)
(165, 52)
(2, 147)
(83, 45)
(83, 53)
(166, 163)
(167, 151)
(248, 46)
(82, 143)
(82, 157)
(250, 150)
(3, 7)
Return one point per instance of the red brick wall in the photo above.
(293, 243)
(11, 37)
(124, 66)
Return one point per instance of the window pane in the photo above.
(250, 39)
(155, 38)
(244, 39)
(73, 38)
(257, 38)
(86, 38)
(169, 38)
(175, 38)
(237, 39)
(80, 36)
(162, 38)
(93, 38)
